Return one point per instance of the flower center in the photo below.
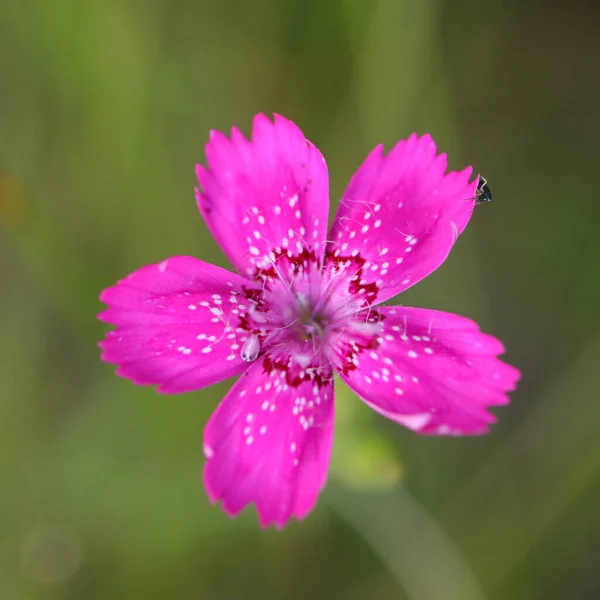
(302, 313)
(309, 324)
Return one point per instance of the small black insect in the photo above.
(483, 192)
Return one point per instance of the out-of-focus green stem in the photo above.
(409, 541)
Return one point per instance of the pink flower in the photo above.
(308, 303)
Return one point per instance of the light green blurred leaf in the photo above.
(363, 457)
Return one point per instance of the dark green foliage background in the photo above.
(104, 109)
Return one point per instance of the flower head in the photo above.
(306, 304)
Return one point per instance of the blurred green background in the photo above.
(104, 110)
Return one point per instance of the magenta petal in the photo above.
(433, 372)
(177, 325)
(400, 216)
(269, 442)
(264, 196)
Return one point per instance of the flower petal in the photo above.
(399, 218)
(269, 441)
(432, 371)
(265, 197)
(180, 324)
